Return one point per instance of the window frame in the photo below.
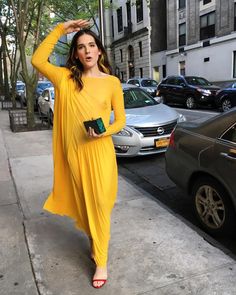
(205, 2)
(139, 10)
(119, 19)
(182, 4)
(208, 31)
(182, 37)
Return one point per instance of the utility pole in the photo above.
(101, 21)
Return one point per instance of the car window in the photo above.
(45, 93)
(234, 85)
(52, 94)
(137, 98)
(171, 81)
(179, 81)
(149, 83)
(133, 82)
(197, 81)
(44, 85)
(230, 135)
(20, 86)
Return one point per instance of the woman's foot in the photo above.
(100, 277)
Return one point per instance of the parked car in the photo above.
(20, 90)
(148, 124)
(46, 103)
(201, 158)
(42, 84)
(226, 97)
(190, 91)
(146, 84)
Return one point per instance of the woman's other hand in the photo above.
(93, 134)
(75, 25)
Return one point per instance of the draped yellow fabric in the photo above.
(85, 170)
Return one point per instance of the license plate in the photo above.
(162, 142)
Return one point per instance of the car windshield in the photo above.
(197, 81)
(149, 83)
(44, 85)
(20, 86)
(137, 98)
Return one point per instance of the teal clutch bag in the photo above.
(96, 124)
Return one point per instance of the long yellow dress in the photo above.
(85, 169)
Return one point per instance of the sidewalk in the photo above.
(152, 252)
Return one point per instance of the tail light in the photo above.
(172, 139)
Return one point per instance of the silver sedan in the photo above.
(148, 124)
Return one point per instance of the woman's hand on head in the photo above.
(75, 25)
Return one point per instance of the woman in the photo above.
(85, 169)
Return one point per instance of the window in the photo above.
(112, 26)
(234, 16)
(141, 72)
(182, 4)
(163, 71)
(206, 2)
(121, 55)
(139, 10)
(182, 68)
(234, 64)
(182, 34)
(119, 19)
(140, 49)
(207, 26)
(230, 135)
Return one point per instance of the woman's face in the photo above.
(87, 51)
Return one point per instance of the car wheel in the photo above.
(213, 206)
(190, 103)
(226, 104)
(51, 117)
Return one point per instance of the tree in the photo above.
(27, 16)
(32, 22)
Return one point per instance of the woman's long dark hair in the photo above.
(74, 64)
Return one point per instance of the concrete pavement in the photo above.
(152, 252)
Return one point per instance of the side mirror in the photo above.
(182, 84)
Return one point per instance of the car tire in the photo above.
(226, 104)
(213, 207)
(51, 117)
(190, 102)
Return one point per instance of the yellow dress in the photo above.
(85, 170)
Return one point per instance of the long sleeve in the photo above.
(41, 55)
(118, 109)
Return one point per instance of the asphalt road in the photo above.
(149, 173)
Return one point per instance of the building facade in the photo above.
(130, 38)
(200, 40)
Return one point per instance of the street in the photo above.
(149, 173)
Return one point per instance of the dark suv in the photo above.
(188, 90)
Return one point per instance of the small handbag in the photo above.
(96, 124)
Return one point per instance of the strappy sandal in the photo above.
(99, 280)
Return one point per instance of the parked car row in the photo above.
(21, 91)
(189, 91)
(148, 123)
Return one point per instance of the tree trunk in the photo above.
(5, 71)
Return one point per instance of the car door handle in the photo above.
(227, 156)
